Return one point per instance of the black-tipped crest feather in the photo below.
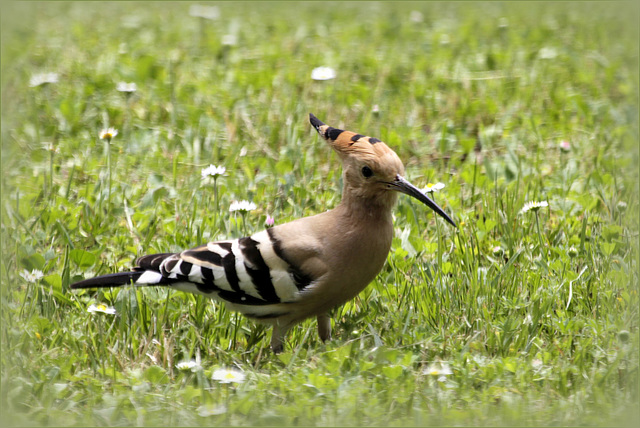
(317, 123)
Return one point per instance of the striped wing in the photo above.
(248, 271)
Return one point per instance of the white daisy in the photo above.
(50, 147)
(126, 87)
(206, 12)
(101, 307)
(547, 53)
(534, 206)
(229, 40)
(416, 16)
(108, 134)
(188, 365)
(207, 410)
(213, 171)
(32, 276)
(228, 376)
(323, 73)
(433, 187)
(440, 370)
(43, 78)
(242, 206)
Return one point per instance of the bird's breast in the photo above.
(340, 255)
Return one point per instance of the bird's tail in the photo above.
(147, 272)
(110, 280)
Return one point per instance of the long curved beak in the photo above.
(401, 185)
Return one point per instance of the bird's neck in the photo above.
(369, 210)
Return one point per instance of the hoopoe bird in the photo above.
(301, 269)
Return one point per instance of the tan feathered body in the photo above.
(343, 255)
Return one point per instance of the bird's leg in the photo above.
(324, 327)
(277, 337)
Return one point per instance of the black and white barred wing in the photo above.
(249, 271)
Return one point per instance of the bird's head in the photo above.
(371, 169)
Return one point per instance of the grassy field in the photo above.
(516, 318)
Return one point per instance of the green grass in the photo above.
(542, 331)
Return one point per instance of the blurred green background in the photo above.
(516, 318)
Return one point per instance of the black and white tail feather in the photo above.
(250, 274)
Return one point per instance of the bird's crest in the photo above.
(349, 142)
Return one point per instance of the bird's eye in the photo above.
(366, 172)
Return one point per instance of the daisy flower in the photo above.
(534, 206)
(242, 206)
(108, 134)
(433, 187)
(32, 276)
(439, 370)
(126, 87)
(213, 171)
(101, 307)
(206, 12)
(416, 16)
(42, 79)
(228, 376)
(188, 365)
(547, 53)
(229, 40)
(323, 73)
(50, 147)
